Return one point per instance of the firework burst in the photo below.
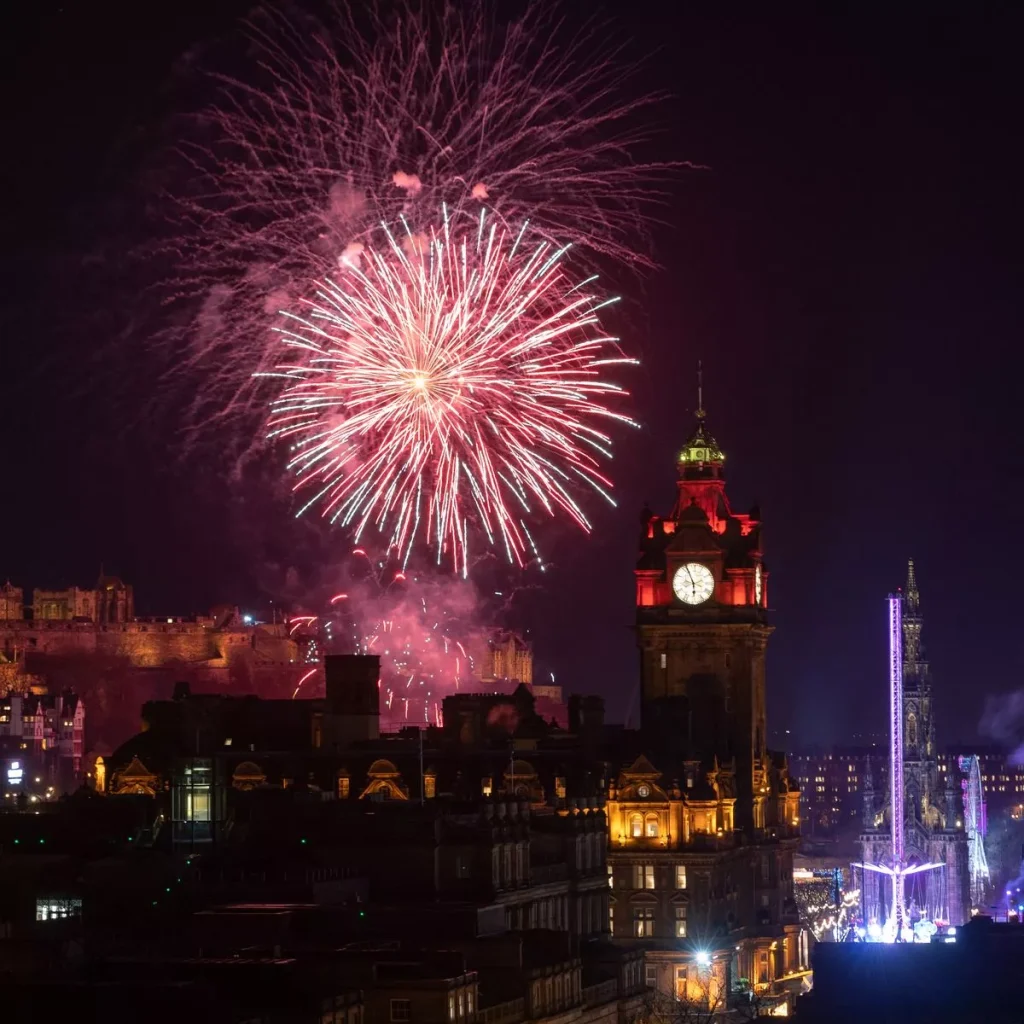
(449, 386)
(341, 124)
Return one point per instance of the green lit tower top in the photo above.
(701, 452)
(701, 468)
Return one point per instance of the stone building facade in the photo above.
(12, 602)
(111, 600)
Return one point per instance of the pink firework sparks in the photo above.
(342, 124)
(450, 386)
(410, 624)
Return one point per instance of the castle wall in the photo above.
(151, 644)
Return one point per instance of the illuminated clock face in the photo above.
(693, 583)
(757, 584)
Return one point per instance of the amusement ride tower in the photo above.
(897, 927)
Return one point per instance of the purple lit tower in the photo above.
(917, 828)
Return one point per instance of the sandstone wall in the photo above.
(152, 644)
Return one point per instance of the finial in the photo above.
(700, 390)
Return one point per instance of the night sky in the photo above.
(848, 268)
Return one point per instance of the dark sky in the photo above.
(848, 269)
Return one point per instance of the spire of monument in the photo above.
(700, 391)
(911, 594)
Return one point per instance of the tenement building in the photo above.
(933, 809)
(703, 827)
(295, 826)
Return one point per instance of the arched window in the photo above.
(912, 730)
(636, 826)
(652, 826)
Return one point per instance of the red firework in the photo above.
(451, 387)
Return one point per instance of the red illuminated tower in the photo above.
(701, 595)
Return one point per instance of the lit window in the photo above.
(636, 826)
(451, 1006)
(680, 876)
(652, 826)
(197, 805)
(681, 922)
(611, 877)
(643, 876)
(664, 660)
(57, 909)
(401, 1009)
(651, 975)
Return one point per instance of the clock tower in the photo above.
(702, 629)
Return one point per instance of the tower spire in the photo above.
(700, 390)
(912, 594)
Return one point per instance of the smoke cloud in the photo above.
(1003, 721)
(410, 182)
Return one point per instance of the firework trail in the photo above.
(413, 625)
(453, 379)
(340, 125)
